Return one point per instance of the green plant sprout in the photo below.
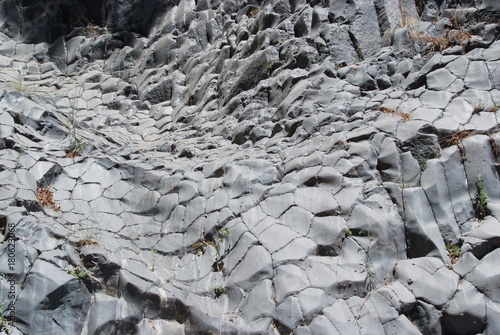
(201, 246)
(481, 199)
(254, 12)
(340, 65)
(224, 232)
(76, 145)
(478, 108)
(218, 290)
(91, 229)
(454, 251)
(347, 232)
(77, 272)
(360, 53)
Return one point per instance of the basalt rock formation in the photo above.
(250, 167)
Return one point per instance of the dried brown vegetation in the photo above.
(86, 241)
(202, 245)
(73, 154)
(45, 197)
(478, 108)
(453, 36)
(493, 109)
(455, 138)
(404, 116)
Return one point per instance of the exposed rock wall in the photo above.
(251, 167)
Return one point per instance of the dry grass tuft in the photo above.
(455, 138)
(451, 38)
(493, 109)
(404, 116)
(86, 241)
(478, 108)
(202, 245)
(45, 197)
(73, 154)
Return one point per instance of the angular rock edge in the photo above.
(260, 167)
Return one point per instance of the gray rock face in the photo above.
(64, 300)
(250, 167)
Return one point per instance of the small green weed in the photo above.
(454, 251)
(254, 12)
(76, 147)
(201, 246)
(478, 108)
(76, 144)
(347, 233)
(481, 199)
(340, 65)
(218, 290)
(91, 229)
(360, 53)
(224, 232)
(77, 272)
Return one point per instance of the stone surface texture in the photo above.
(250, 167)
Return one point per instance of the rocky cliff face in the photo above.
(250, 167)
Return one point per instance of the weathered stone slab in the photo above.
(422, 232)
(485, 276)
(261, 295)
(428, 279)
(440, 79)
(475, 76)
(435, 186)
(316, 200)
(96, 173)
(276, 237)
(466, 312)
(254, 267)
(45, 281)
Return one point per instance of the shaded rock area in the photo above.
(250, 167)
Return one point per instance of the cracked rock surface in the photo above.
(250, 167)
